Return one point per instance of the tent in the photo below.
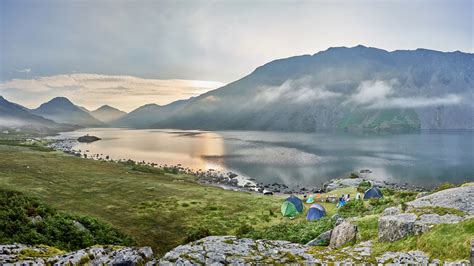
(310, 199)
(292, 206)
(315, 212)
(372, 193)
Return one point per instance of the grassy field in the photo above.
(157, 209)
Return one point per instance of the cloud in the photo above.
(379, 94)
(295, 91)
(93, 90)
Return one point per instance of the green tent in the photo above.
(288, 209)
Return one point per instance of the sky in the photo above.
(129, 53)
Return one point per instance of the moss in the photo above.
(438, 210)
(41, 251)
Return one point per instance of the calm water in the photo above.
(426, 158)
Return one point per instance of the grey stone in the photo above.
(322, 240)
(342, 234)
(391, 211)
(431, 219)
(395, 227)
(460, 198)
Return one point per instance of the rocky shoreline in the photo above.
(232, 181)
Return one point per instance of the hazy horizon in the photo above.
(127, 54)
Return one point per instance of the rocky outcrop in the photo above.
(18, 254)
(322, 240)
(221, 250)
(342, 234)
(391, 211)
(395, 227)
(460, 198)
(398, 226)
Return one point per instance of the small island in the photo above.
(88, 139)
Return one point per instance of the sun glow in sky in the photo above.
(169, 50)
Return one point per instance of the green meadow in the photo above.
(155, 208)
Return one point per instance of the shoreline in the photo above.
(232, 181)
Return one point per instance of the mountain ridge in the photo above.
(62, 110)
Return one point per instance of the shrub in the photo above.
(243, 230)
(352, 208)
(196, 233)
(296, 232)
(363, 186)
(444, 186)
(54, 228)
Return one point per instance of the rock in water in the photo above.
(342, 234)
(88, 139)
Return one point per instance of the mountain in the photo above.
(15, 116)
(149, 114)
(61, 110)
(358, 88)
(107, 113)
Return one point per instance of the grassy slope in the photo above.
(155, 209)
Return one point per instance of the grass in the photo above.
(445, 241)
(29, 221)
(367, 227)
(156, 209)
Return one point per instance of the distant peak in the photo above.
(60, 100)
(107, 107)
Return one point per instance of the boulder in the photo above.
(221, 250)
(342, 234)
(391, 211)
(322, 240)
(431, 219)
(395, 227)
(460, 198)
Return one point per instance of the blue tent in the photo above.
(315, 212)
(297, 202)
(373, 193)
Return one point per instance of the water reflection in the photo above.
(427, 158)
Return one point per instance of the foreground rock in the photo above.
(18, 254)
(343, 234)
(460, 198)
(231, 250)
(421, 213)
(395, 227)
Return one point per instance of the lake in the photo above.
(427, 158)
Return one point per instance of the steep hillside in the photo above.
(356, 88)
(62, 110)
(17, 117)
(147, 115)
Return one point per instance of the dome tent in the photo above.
(373, 193)
(292, 206)
(315, 212)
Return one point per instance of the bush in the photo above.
(296, 232)
(444, 186)
(352, 208)
(195, 234)
(363, 186)
(50, 227)
(243, 230)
